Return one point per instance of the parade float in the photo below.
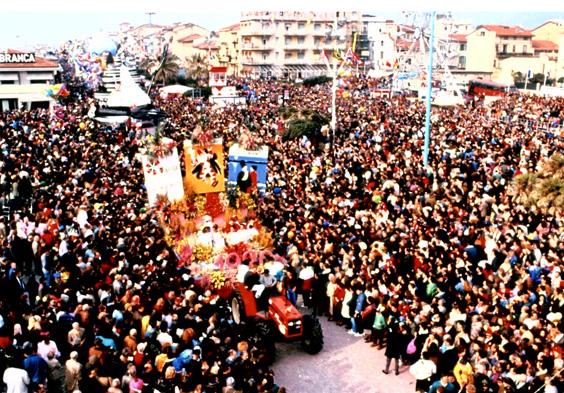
(211, 224)
(214, 231)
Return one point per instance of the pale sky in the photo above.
(54, 21)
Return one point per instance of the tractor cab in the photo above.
(281, 318)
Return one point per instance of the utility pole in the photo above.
(429, 93)
(150, 14)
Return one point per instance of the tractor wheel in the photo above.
(312, 337)
(238, 308)
(266, 334)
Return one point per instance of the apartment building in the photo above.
(445, 26)
(182, 37)
(381, 34)
(289, 44)
(457, 46)
(228, 53)
(548, 38)
(503, 51)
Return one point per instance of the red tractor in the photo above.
(280, 315)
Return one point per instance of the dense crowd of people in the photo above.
(439, 265)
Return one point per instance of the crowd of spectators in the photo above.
(438, 263)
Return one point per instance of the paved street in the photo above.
(345, 365)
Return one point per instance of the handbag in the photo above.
(411, 347)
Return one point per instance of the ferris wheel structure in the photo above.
(412, 62)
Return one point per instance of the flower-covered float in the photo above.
(212, 233)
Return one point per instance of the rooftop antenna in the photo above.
(150, 14)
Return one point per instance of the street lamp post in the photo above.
(333, 70)
(333, 106)
(429, 93)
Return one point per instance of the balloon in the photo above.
(102, 43)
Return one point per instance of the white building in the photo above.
(289, 44)
(24, 79)
(381, 34)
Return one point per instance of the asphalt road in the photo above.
(345, 365)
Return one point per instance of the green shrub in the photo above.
(317, 80)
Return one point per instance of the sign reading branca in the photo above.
(17, 57)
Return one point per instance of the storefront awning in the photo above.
(9, 77)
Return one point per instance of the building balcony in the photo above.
(295, 16)
(504, 55)
(293, 47)
(309, 61)
(257, 32)
(329, 46)
(257, 61)
(319, 33)
(296, 32)
(254, 47)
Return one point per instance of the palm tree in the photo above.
(168, 70)
(197, 68)
(543, 189)
(163, 72)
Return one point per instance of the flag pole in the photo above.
(429, 93)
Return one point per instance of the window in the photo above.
(301, 40)
(287, 26)
(301, 55)
(514, 49)
(525, 49)
(482, 33)
(264, 56)
(462, 47)
(287, 55)
(382, 43)
(381, 55)
(504, 48)
(316, 41)
(462, 62)
(287, 41)
(317, 27)
(264, 42)
(301, 26)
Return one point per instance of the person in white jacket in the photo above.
(16, 379)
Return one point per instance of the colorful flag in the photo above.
(388, 64)
(396, 64)
(337, 55)
(323, 56)
(352, 57)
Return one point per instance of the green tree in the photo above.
(168, 71)
(305, 122)
(544, 189)
(518, 77)
(197, 69)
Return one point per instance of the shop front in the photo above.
(24, 80)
